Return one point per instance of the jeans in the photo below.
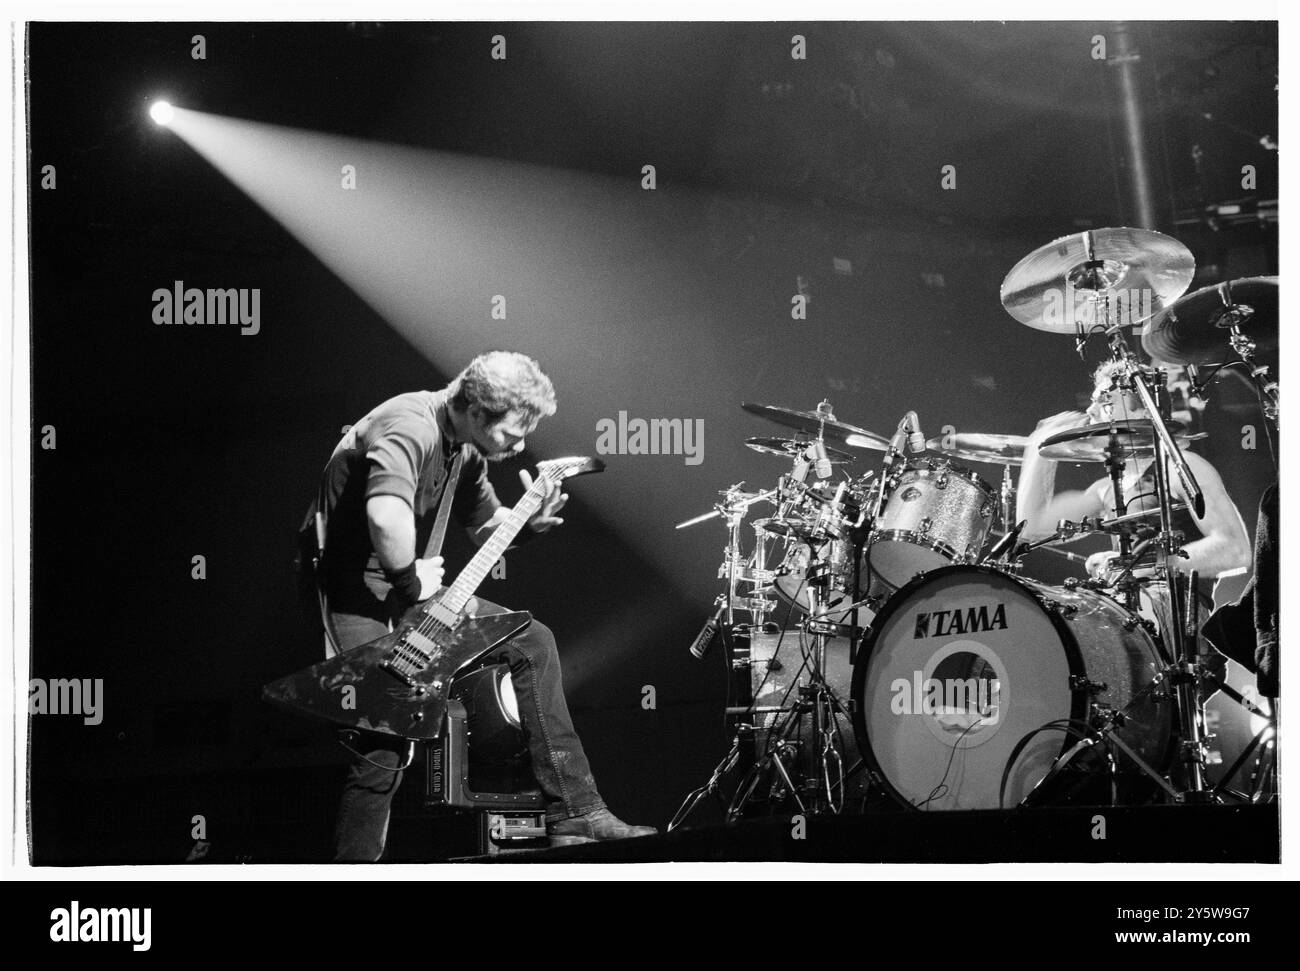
(360, 611)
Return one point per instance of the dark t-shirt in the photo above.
(398, 449)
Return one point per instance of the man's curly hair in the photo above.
(503, 381)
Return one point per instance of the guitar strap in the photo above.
(432, 547)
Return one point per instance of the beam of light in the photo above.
(595, 290)
(162, 112)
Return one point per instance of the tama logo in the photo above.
(941, 623)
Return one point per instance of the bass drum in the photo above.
(965, 663)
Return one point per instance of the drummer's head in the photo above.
(1110, 402)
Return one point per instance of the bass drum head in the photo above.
(960, 666)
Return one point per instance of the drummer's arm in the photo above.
(1042, 507)
(1225, 544)
(1037, 501)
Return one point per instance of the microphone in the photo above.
(915, 440)
(899, 441)
(1007, 542)
(707, 635)
(821, 459)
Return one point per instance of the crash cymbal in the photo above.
(975, 447)
(873, 442)
(1135, 272)
(1196, 329)
(790, 447)
(1091, 442)
(810, 421)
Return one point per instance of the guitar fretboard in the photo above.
(458, 593)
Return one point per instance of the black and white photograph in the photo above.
(487, 442)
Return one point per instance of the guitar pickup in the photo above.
(443, 615)
(427, 648)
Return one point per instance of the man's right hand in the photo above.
(430, 573)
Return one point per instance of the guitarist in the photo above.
(378, 508)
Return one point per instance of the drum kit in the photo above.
(913, 658)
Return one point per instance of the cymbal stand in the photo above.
(1115, 463)
(1186, 662)
(1232, 319)
(1234, 315)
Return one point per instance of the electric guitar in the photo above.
(397, 684)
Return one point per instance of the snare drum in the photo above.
(937, 514)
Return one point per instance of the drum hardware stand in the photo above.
(1102, 724)
(814, 698)
(773, 758)
(1115, 467)
(1265, 737)
(733, 507)
(1233, 317)
(713, 786)
(1007, 497)
(1183, 649)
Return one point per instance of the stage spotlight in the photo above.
(161, 112)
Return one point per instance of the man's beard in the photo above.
(491, 456)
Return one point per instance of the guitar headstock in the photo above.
(557, 470)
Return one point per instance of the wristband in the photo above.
(405, 581)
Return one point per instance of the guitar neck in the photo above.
(458, 593)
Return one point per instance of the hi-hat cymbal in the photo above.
(790, 447)
(975, 447)
(1135, 273)
(1090, 443)
(810, 422)
(1132, 522)
(1195, 330)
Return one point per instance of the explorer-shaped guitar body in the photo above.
(370, 686)
(398, 683)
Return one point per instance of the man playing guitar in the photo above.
(378, 507)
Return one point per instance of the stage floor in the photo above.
(1154, 834)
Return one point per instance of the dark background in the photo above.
(173, 442)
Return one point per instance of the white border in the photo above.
(15, 567)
